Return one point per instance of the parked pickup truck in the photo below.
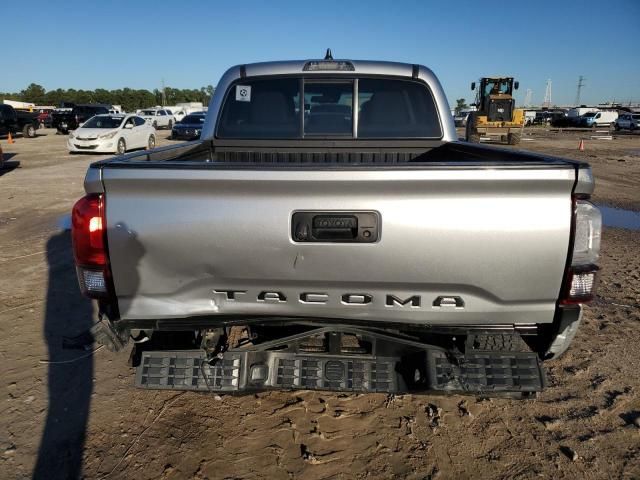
(16, 121)
(65, 121)
(328, 231)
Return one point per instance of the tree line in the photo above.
(130, 99)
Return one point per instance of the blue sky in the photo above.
(137, 43)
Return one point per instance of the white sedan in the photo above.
(112, 134)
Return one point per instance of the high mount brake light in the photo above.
(89, 245)
(328, 66)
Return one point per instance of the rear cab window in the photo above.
(295, 107)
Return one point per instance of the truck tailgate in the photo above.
(492, 242)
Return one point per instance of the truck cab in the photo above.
(14, 121)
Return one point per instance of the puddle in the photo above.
(619, 218)
(64, 222)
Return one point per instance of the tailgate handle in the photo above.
(335, 227)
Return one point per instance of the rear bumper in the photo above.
(102, 146)
(183, 136)
(481, 373)
(394, 365)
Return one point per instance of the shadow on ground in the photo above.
(9, 166)
(67, 314)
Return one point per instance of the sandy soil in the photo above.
(85, 419)
(615, 163)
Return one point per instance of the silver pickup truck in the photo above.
(328, 231)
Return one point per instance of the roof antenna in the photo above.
(328, 55)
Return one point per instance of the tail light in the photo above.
(588, 225)
(88, 233)
(580, 281)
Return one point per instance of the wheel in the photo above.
(170, 125)
(616, 127)
(151, 143)
(155, 124)
(29, 131)
(122, 146)
(471, 132)
(632, 127)
(513, 138)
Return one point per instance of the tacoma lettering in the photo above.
(271, 297)
(392, 300)
(320, 298)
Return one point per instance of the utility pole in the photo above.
(581, 80)
(164, 96)
(547, 95)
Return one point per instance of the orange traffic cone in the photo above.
(581, 146)
(10, 139)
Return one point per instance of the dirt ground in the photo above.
(85, 419)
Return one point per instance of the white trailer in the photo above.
(20, 105)
(580, 111)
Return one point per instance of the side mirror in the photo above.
(516, 85)
(473, 85)
(128, 126)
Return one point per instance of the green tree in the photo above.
(55, 97)
(34, 93)
(130, 99)
(461, 104)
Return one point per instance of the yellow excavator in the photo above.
(496, 116)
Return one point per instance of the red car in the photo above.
(44, 118)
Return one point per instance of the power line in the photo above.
(547, 95)
(581, 80)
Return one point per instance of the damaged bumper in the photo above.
(389, 364)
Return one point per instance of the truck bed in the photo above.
(202, 232)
